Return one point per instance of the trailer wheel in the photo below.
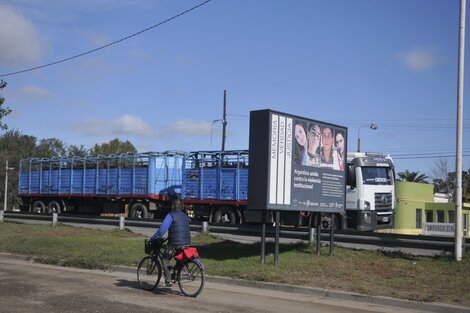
(139, 211)
(38, 207)
(53, 207)
(225, 215)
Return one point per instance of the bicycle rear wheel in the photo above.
(149, 272)
(191, 278)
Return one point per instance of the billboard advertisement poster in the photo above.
(303, 163)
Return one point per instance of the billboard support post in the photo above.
(276, 239)
(263, 237)
(332, 234)
(318, 229)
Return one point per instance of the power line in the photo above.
(402, 120)
(434, 149)
(427, 157)
(239, 115)
(107, 45)
(426, 154)
(428, 127)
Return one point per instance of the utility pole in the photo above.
(6, 192)
(458, 161)
(224, 121)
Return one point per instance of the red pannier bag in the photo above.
(187, 254)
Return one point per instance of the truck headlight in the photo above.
(363, 205)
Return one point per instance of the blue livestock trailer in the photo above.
(213, 184)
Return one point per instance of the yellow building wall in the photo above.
(413, 196)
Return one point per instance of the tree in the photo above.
(115, 146)
(448, 185)
(445, 180)
(51, 147)
(74, 150)
(3, 111)
(415, 177)
(440, 172)
(14, 147)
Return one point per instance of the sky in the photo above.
(350, 63)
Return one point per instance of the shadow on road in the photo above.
(134, 284)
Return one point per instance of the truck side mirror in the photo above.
(351, 176)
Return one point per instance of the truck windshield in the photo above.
(376, 176)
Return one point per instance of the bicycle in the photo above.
(188, 270)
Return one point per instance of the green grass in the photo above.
(396, 275)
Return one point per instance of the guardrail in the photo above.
(445, 244)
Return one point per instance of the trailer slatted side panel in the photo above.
(192, 183)
(54, 181)
(125, 186)
(23, 183)
(217, 175)
(34, 185)
(228, 182)
(243, 184)
(65, 182)
(209, 183)
(140, 184)
(90, 181)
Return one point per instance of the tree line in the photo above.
(15, 146)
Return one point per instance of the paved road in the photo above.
(29, 287)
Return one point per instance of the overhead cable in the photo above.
(107, 45)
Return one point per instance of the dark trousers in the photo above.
(169, 254)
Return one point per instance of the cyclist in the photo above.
(176, 222)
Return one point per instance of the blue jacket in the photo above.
(177, 224)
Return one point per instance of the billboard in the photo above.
(296, 163)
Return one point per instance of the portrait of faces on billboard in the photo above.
(319, 145)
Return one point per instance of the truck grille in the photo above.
(383, 201)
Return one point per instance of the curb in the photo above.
(333, 294)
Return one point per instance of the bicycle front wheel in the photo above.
(149, 272)
(191, 278)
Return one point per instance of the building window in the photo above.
(440, 216)
(429, 216)
(451, 216)
(419, 221)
